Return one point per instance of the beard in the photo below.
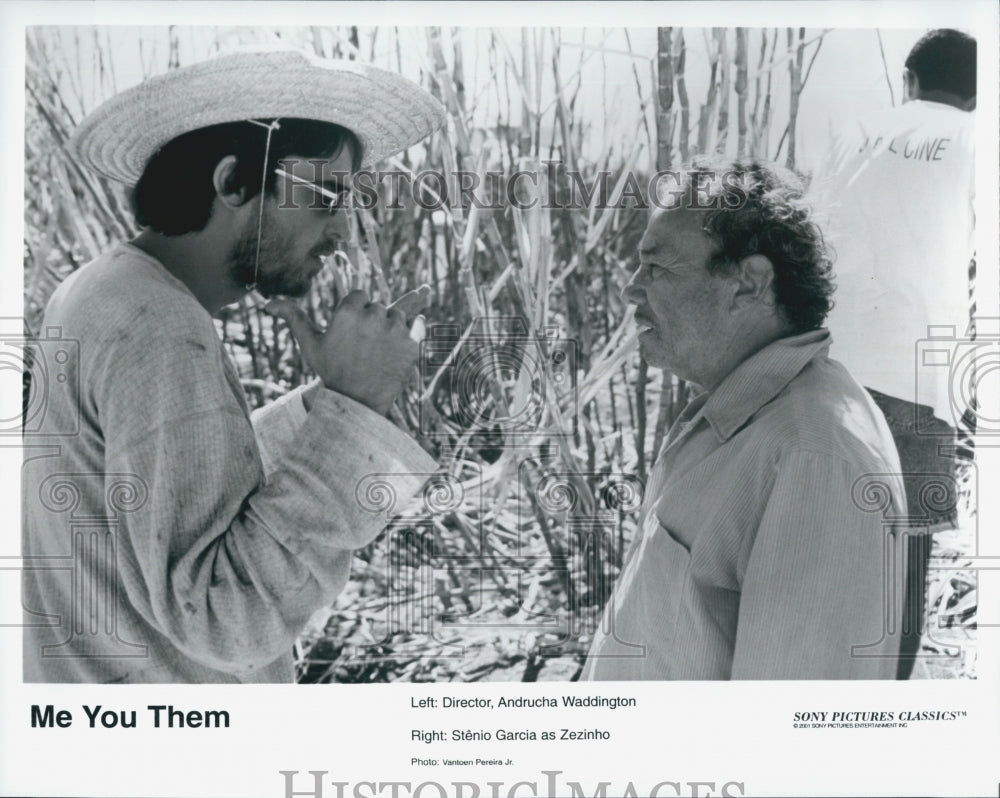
(276, 273)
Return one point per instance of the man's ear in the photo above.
(911, 86)
(753, 282)
(222, 180)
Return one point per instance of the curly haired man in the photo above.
(765, 537)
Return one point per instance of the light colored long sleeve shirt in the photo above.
(167, 539)
(766, 535)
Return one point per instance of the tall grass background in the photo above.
(536, 405)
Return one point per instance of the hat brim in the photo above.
(386, 111)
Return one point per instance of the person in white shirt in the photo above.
(899, 189)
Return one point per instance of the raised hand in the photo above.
(366, 351)
(412, 302)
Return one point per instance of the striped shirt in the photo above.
(765, 534)
(168, 537)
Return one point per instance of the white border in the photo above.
(681, 732)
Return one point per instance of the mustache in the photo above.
(325, 248)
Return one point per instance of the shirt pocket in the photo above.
(663, 568)
(666, 567)
(640, 619)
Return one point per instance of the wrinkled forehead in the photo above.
(676, 232)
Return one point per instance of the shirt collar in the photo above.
(759, 378)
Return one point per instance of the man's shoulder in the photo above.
(824, 411)
(919, 132)
(909, 116)
(123, 287)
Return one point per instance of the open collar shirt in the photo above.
(766, 535)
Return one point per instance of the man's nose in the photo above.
(634, 292)
(338, 226)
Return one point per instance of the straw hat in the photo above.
(386, 111)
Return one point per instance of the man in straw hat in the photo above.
(190, 542)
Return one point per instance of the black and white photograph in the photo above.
(484, 395)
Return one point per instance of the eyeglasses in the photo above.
(329, 200)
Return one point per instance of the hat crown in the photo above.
(386, 111)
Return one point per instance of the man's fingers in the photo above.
(418, 330)
(355, 299)
(412, 302)
(395, 317)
